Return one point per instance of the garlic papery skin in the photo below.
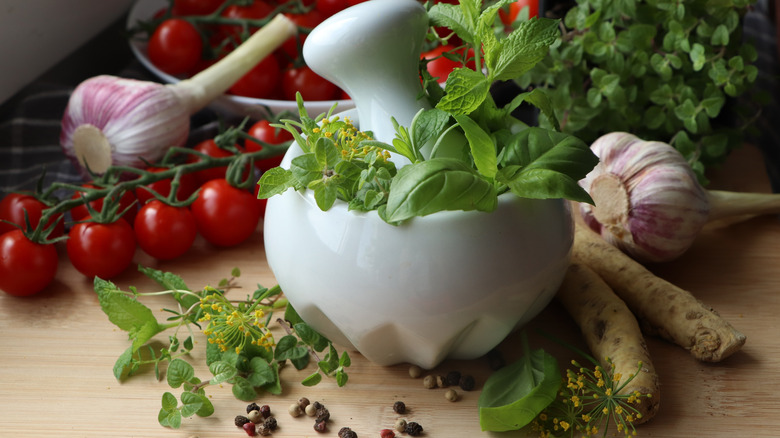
(647, 199)
(124, 122)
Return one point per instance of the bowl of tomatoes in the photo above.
(177, 40)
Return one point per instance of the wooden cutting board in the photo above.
(57, 350)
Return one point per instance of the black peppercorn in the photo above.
(453, 378)
(467, 383)
(265, 411)
(241, 420)
(399, 407)
(270, 423)
(252, 407)
(322, 415)
(413, 428)
(346, 432)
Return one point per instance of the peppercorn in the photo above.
(429, 382)
(441, 382)
(322, 414)
(303, 402)
(310, 410)
(270, 423)
(413, 428)
(249, 428)
(399, 407)
(467, 383)
(295, 410)
(265, 411)
(400, 425)
(252, 407)
(241, 420)
(346, 432)
(451, 395)
(320, 426)
(263, 431)
(255, 416)
(415, 371)
(386, 433)
(453, 378)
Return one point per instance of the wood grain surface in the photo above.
(57, 350)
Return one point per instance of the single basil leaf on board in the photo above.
(435, 185)
(466, 90)
(482, 148)
(514, 395)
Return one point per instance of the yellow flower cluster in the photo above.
(227, 327)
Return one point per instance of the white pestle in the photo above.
(372, 51)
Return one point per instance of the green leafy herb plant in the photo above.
(241, 350)
(662, 70)
(464, 152)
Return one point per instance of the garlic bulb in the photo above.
(115, 121)
(648, 201)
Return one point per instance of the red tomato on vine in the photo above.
(101, 250)
(509, 16)
(440, 66)
(163, 231)
(13, 207)
(263, 131)
(126, 204)
(261, 82)
(311, 85)
(188, 183)
(225, 215)
(195, 7)
(26, 267)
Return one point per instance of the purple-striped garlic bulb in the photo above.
(648, 201)
(111, 121)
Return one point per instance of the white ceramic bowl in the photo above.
(229, 104)
(448, 285)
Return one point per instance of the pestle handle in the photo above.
(372, 51)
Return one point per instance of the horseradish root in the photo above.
(648, 201)
(662, 308)
(611, 331)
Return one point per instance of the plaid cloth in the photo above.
(30, 120)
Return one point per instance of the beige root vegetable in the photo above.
(611, 331)
(662, 308)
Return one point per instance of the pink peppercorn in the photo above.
(249, 428)
(386, 433)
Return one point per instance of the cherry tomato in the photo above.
(330, 7)
(210, 148)
(164, 231)
(13, 207)
(311, 85)
(195, 7)
(126, 203)
(175, 46)
(188, 183)
(255, 11)
(440, 66)
(225, 215)
(509, 17)
(101, 250)
(260, 82)
(26, 267)
(263, 131)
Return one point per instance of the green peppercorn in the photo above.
(451, 395)
(415, 371)
(429, 382)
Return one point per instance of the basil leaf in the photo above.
(514, 395)
(438, 184)
(427, 125)
(482, 148)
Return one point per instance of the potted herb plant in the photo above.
(422, 225)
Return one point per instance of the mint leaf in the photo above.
(466, 90)
(522, 49)
(428, 124)
(435, 185)
(275, 181)
(452, 17)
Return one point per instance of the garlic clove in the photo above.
(648, 201)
